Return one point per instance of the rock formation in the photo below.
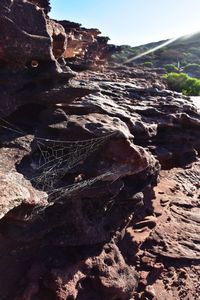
(99, 171)
(45, 4)
(85, 48)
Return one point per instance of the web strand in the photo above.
(55, 158)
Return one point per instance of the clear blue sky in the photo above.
(132, 22)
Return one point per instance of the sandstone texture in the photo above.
(99, 169)
(85, 48)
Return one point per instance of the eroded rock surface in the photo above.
(169, 254)
(99, 171)
(85, 48)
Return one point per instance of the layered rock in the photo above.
(85, 48)
(169, 252)
(32, 58)
(29, 70)
(82, 213)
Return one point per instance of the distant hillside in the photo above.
(181, 53)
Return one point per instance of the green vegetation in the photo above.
(171, 68)
(180, 59)
(193, 69)
(183, 83)
(183, 54)
(148, 64)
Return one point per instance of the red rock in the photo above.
(95, 146)
(101, 277)
(85, 49)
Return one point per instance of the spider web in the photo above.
(56, 158)
(68, 191)
(60, 195)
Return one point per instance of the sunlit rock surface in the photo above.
(85, 48)
(99, 171)
(45, 4)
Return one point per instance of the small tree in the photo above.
(171, 68)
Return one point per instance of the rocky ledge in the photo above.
(99, 169)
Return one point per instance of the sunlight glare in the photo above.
(189, 35)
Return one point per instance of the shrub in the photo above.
(183, 83)
(171, 68)
(192, 68)
(148, 64)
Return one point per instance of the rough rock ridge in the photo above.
(99, 170)
(85, 48)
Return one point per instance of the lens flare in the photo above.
(159, 47)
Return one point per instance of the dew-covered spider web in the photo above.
(57, 158)
(53, 159)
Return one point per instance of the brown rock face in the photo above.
(82, 212)
(45, 4)
(116, 279)
(24, 41)
(85, 49)
(59, 37)
(26, 58)
(32, 58)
